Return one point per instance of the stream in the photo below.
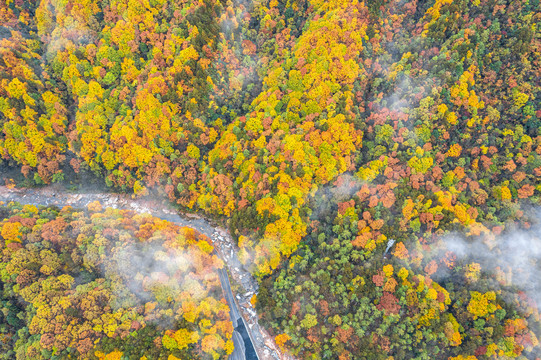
(252, 342)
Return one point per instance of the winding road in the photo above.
(251, 341)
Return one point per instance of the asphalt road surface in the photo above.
(241, 332)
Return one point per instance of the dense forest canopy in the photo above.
(102, 284)
(317, 131)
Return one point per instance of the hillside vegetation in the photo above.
(107, 284)
(318, 130)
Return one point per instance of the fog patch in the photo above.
(151, 272)
(327, 197)
(61, 29)
(510, 260)
(515, 253)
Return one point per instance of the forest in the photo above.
(316, 132)
(107, 284)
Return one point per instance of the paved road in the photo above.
(244, 348)
(234, 310)
(240, 348)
